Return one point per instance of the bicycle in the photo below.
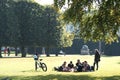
(40, 64)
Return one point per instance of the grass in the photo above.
(23, 68)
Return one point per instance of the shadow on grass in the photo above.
(110, 55)
(60, 77)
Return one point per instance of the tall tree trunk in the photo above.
(0, 52)
(23, 52)
(47, 52)
(16, 51)
(56, 53)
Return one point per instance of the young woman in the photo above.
(96, 58)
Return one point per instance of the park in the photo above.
(57, 31)
(23, 68)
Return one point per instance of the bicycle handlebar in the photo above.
(40, 59)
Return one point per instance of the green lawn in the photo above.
(23, 68)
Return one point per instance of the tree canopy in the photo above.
(98, 20)
(25, 23)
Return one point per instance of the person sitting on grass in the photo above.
(71, 66)
(86, 66)
(79, 66)
(63, 67)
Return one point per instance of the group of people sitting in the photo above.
(78, 67)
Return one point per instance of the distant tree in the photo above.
(50, 28)
(25, 23)
(13, 26)
(29, 17)
(8, 23)
(66, 37)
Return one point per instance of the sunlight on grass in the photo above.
(109, 67)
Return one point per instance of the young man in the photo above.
(36, 57)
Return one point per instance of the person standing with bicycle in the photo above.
(38, 63)
(36, 57)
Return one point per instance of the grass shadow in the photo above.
(60, 77)
(110, 55)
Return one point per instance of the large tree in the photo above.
(3, 25)
(8, 23)
(29, 19)
(50, 36)
(97, 19)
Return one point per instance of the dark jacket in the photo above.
(97, 56)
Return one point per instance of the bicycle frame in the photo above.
(41, 65)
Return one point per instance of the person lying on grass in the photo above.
(65, 68)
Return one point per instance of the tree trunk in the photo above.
(47, 52)
(56, 54)
(0, 53)
(16, 51)
(23, 51)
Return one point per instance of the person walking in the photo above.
(96, 59)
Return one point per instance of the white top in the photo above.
(35, 56)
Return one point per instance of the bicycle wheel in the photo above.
(44, 67)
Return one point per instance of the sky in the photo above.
(45, 2)
(49, 2)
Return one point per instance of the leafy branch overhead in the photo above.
(98, 20)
